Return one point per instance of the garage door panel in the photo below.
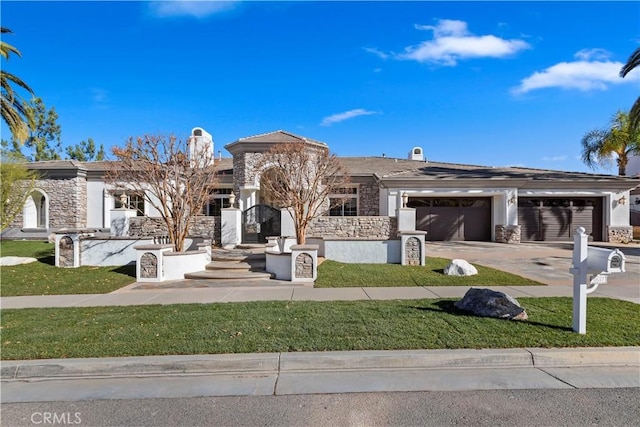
(476, 224)
(555, 223)
(529, 220)
(554, 219)
(445, 224)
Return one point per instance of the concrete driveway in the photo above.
(546, 262)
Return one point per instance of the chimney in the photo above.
(416, 154)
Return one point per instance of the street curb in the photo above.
(274, 363)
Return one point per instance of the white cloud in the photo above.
(554, 159)
(197, 8)
(340, 117)
(376, 52)
(592, 70)
(452, 42)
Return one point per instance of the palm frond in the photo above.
(632, 62)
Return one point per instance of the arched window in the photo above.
(35, 213)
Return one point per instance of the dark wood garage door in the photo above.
(553, 219)
(453, 218)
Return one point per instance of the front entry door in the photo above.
(259, 222)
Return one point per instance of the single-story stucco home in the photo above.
(452, 201)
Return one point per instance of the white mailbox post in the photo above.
(597, 262)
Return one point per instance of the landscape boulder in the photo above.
(460, 267)
(488, 303)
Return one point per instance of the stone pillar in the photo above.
(304, 263)
(149, 262)
(406, 219)
(412, 247)
(620, 234)
(67, 250)
(231, 227)
(119, 226)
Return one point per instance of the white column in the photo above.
(287, 227)
(231, 227)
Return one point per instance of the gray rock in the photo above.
(460, 267)
(488, 303)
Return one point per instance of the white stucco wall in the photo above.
(96, 205)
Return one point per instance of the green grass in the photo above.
(332, 274)
(304, 326)
(44, 278)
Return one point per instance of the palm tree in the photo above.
(619, 142)
(633, 62)
(12, 104)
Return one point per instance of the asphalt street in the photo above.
(569, 407)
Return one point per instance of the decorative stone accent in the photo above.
(304, 266)
(488, 303)
(460, 267)
(620, 234)
(369, 199)
(413, 251)
(148, 266)
(67, 202)
(362, 227)
(509, 234)
(66, 252)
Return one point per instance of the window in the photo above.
(134, 201)
(344, 202)
(218, 199)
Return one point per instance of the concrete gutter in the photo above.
(318, 372)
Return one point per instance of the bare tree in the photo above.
(301, 178)
(159, 169)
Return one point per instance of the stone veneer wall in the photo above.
(620, 234)
(369, 199)
(510, 234)
(413, 252)
(204, 226)
(67, 202)
(363, 227)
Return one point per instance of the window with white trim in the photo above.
(344, 202)
(134, 201)
(218, 199)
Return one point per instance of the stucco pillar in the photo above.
(119, 226)
(406, 219)
(230, 227)
(287, 227)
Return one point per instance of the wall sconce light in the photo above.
(513, 199)
(622, 200)
(405, 199)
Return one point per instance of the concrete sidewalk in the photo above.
(319, 372)
(289, 293)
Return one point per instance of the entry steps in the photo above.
(243, 263)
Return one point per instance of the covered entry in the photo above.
(556, 219)
(259, 222)
(451, 218)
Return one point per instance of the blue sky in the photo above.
(489, 83)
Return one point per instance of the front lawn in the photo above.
(282, 326)
(332, 274)
(44, 278)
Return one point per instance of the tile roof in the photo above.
(278, 136)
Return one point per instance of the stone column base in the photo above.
(509, 234)
(620, 234)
